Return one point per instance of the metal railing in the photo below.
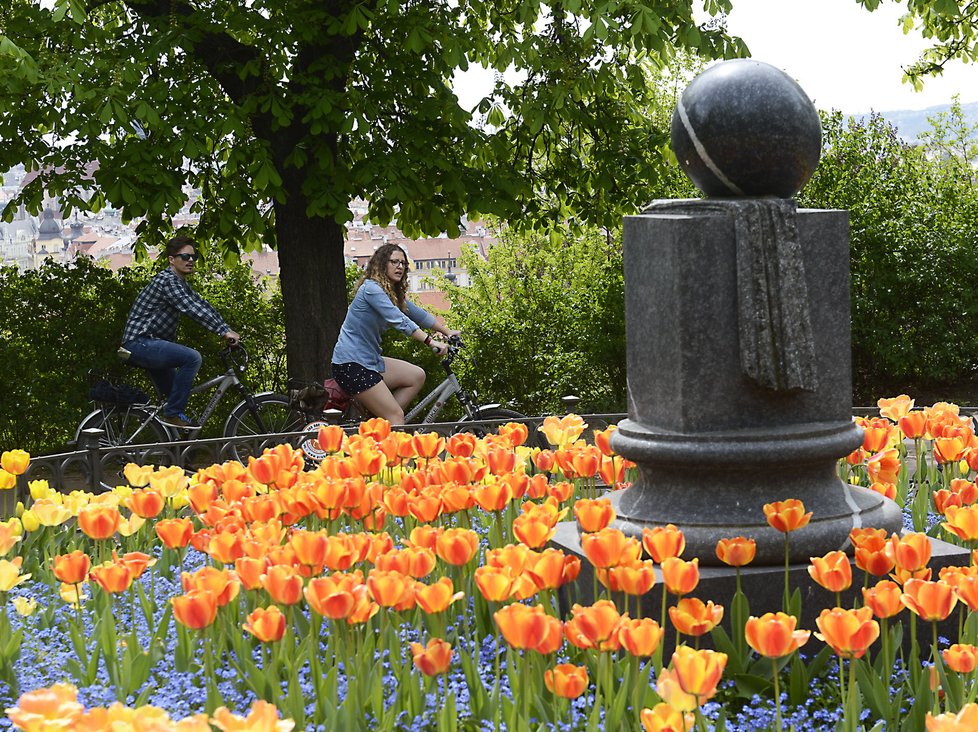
(93, 466)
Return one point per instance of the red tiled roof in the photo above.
(435, 301)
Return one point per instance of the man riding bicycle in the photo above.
(151, 330)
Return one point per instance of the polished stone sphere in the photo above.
(746, 128)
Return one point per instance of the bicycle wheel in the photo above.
(505, 415)
(271, 415)
(134, 431)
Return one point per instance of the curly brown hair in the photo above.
(377, 271)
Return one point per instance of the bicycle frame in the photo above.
(438, 398)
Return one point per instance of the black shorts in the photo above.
(355, 378)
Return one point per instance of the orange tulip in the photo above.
(544, 460)
(138, 562)
(964, 721)
(773, 635)
(330, 438)
(662, 542)
(929, 600)
(884, 467)
(665, 718)
(457, 546)
(667, 686)
(389, 588)
(98, 521)
(872, 557)
(175, 533)
(501, 461)
(883, 598)
(914, 425)
(895, 408)
(691, 616)
(432, 659)
(146, 503)
(787, 516)
(225, 547)
(698, 672)
(263, 717)
(849, 632)
(113, 577)
(495, 583)
(72, 568)
(310, 547)
(633, 579)
(640, 636)
(962, 522)
(910, 552)
(196, 609)
(427, 445)
(533, 530)
(250, 570)
(436, 597)
(221, 583)
(334, 597)
(461, 444)
(736, 552)
(566, 680)
(966, 588)
(283, 584)
(595, 626)
(266, 624)
(593, 515)
(376, 428)
(494, 496)
(52, 708)
(526, 627)
(961, 658)
(679, 576)
(552, 569)
(609, 548)
(833, 571)
(876, 433)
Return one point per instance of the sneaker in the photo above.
(179, 420)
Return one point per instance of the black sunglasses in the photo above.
(187, 257)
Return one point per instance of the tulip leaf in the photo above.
(875, 692)
(951, 683)
(798, 689)
(915, 719)
(749, 685)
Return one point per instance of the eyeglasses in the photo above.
(187, 257)
(397, 263)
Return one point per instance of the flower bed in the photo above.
(404, 583)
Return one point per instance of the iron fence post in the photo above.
(90, 441)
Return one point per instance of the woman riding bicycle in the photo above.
(385, 386)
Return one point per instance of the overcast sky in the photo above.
(844, 56)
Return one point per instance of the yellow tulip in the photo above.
(180, 500)
(10, 575)
(7, 480)
(137, 475)
(29, 521)
(130, 526)
(15, 461)
(49, 513)
(25, 606)
(72, 593)
(169, 481)
(39, 489)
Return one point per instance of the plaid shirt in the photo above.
(158, 307)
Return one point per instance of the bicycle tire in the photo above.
(535, 439)
(277, 416)
(124, 427)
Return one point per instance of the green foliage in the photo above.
(914, 230)
(282, 112)
(60, 321)
(545, 318)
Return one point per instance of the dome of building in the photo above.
(50, 228)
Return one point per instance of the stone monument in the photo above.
(738, 328)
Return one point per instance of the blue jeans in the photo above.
(172, 368)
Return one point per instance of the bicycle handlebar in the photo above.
(234, 357)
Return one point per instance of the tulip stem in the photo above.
(777, 694)
(787, 554)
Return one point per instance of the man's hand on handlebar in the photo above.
(232, 339)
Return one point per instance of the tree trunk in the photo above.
(313, 280)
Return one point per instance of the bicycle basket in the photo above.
(110, 392)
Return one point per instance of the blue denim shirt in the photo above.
(369, 315)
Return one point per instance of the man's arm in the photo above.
(197, 308)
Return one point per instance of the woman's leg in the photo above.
(381, 403)
(403, 379)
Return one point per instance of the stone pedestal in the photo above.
(713, 445)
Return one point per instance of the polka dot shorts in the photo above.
(355, 378)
